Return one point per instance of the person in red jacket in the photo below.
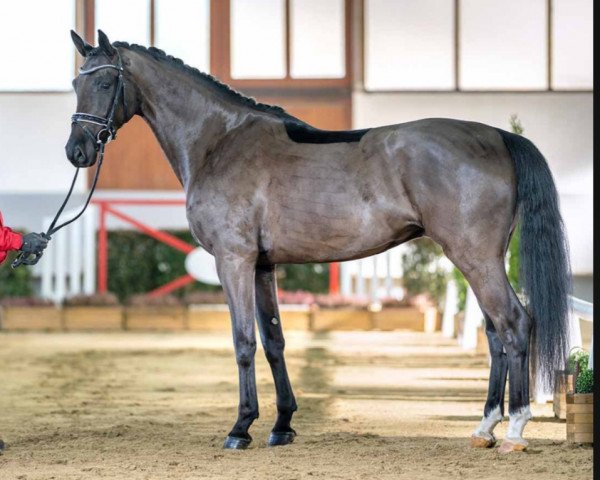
(29, 244)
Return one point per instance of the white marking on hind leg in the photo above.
(516, 424)
(487, 425)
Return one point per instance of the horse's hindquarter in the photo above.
(460, 178)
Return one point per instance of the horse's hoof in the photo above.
(281, 438)
(482, 442)
(236, 443)
(513, 445)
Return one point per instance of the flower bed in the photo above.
(93, 312)
(160, 313)
(208, 311)
(416, 314)
(28, 313)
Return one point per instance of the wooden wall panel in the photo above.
(135, 161)
(325, 113)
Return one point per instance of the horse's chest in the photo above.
(217, 221)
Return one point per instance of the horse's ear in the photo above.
(105, 44)
(80, 44)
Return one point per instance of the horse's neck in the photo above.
(187, 118)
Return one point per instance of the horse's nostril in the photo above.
(79, 156)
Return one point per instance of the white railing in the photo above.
(580, 310)
(68, 266)
(585, 311)
(375, 277)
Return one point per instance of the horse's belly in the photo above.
(333, 234)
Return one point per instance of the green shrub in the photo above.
(138, 264)
(513, 260)
(461, 287)
(422, 270)
(585, 382)
(578, 357)
(513, 248)
(310, 277)
(515, 124)
(15, 282)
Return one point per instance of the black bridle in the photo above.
(108, 131)
(106, 134)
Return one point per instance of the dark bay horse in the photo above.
(263, 188)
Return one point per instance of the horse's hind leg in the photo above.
(271, 334)
(513, 326)
(483, 436)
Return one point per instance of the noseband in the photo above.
(108, 131)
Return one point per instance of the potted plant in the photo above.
(580, 403)
(29, 313)
(100, 311)
(564, 381)
(166, 312)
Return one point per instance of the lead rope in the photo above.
(23, 259)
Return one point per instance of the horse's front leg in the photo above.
(236, 273)
(271, 334)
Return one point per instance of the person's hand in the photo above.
(34, 243)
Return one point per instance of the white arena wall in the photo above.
(34, 128)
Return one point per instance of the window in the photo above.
(47, 64)
(317, 39)
(127, 21)
(287, 43)
(246, 43)
(258, 32)
(503, 45)
(572, 44)
(409, 45)
(478, 45)
(182, 29)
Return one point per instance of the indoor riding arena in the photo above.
(296, 239)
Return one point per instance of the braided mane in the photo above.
(205, 78)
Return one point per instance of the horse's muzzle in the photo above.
(80, 152)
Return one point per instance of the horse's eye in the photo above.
(105, 86)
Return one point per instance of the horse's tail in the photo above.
(545, 273)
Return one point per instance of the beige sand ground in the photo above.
(157, 406)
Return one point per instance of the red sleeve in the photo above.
(9, 240)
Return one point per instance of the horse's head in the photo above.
(104, 100)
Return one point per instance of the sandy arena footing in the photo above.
(372, 405)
